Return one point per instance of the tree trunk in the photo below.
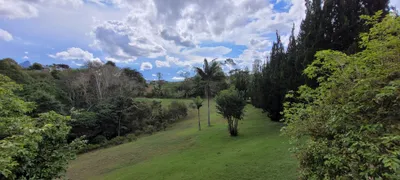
(198, 115)
(235, 128)
(230, 126)
(208, 102)
(119, 126)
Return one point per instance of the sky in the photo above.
(167, 36)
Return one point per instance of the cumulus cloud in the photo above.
(121, 41)
(15, 9)
(25, 57)
(159, 28)
(146, 66)
(178, 78)
(5, 36)
(162, 63)
(75, 53)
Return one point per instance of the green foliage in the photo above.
(177, 110)
(32, 148)
(11, 69)
(328, 24)
(35, 66)
(230, 104)
(197, 102)
(99, 139)
(351, 120)
(241, 80)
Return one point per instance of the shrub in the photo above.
(138, 132)
(177, 110)
(131, 137)
(149, 129)
(230, 104)
(99, 139)
(117, 140)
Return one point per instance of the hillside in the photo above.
(182, 152)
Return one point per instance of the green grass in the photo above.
(183, 152)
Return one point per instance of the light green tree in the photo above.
(210, 72)
(31, 148)
(351, 120)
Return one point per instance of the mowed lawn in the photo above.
(183, 152)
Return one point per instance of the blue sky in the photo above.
(167, 36)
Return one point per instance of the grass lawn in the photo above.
(183, 152)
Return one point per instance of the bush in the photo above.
(177, 110)
(138, 133)
(149, 129)
(117, 141)
(99, 139)
(230, 104)
(131, 137)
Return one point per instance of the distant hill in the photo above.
(25, 64)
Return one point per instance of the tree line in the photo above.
(329, 24)
(54, 113)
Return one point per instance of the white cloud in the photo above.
(174, 32)
(162, 63)
(25, 57)
(75, 54)
(5, 36)
(15, 9)
(217, 51)
(178, 78)
(125, 42)
(146, 66)
(26, 52)
(154, 75)
(155, 28)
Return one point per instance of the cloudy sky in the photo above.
(167, 36)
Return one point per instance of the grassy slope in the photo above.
(182, 152)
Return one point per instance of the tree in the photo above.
(351, 120)
(230, 104)
(31, 148)
(35, 66)
(158, 87)
(210, 72)
(110, 63)
(197, 103)
(241, 80)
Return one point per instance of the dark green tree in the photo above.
(36, 66)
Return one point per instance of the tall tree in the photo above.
(210, 72)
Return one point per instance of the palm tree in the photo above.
(197, 103)
(210, 72)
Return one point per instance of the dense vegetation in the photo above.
(328, 24)
(351, 120)
(336, 86)
(52, 111)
